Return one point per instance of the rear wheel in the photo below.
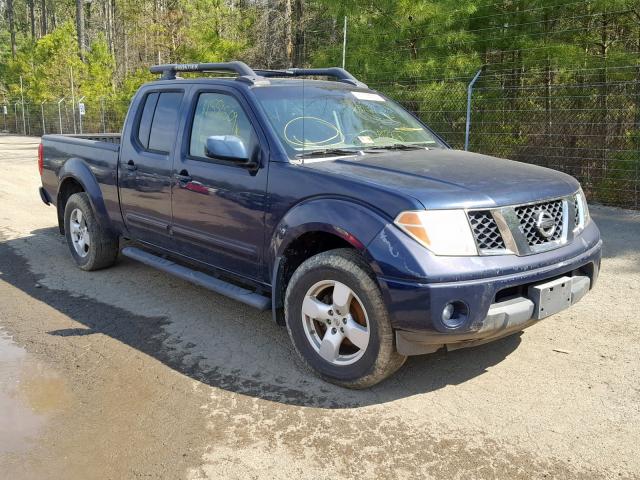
(91, 245)
(338, 322)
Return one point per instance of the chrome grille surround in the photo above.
(516, 226)
(576, 217)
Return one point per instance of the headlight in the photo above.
(444, 232)
(583, 211)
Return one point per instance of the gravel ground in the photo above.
(128, 373)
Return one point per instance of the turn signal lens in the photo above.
(444, 232)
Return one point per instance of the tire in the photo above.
(99, 248)
(320, 282)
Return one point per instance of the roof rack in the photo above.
(245, 73)
(336, 72)
(256, 77)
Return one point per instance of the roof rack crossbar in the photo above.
(247, 74)
(336, 72)
(169, 70)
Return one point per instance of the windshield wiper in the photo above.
(328, 151)
(398, 146)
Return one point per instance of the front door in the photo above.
(218, 206)
(145, 168)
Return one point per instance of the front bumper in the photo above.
(503, 318)
(498, 305)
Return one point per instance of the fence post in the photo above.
(60, 115)
(24, 125)
(80, 112)
(15, 114)
(344, 42)
(104, 127)
(73, 100)
(42, 112)
(469, 92)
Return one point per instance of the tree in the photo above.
(43, 17)
(12, 27)
(32, 18)
(80, 27)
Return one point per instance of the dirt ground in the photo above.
(131, 373)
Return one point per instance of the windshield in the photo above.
(318, 118)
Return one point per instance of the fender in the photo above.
(78, 170)
(356, 223)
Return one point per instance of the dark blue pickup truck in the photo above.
(331, 205)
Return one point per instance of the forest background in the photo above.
(559, 87)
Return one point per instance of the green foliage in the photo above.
(48, 65)
(559, 85)
(45, 66)
(211, 33)
(100, 68)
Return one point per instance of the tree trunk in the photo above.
(80, 27)
(126, 50)
(110, 30)
(298, 50)
(12, 28)
(43, 19)
(288, 35)
(156, 36)
(32, 18)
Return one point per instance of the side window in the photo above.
(144, 127)
(165, 122)
(219, 114)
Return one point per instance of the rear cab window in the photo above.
(159, 121)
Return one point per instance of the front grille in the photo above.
(485, 231)
(528, 216)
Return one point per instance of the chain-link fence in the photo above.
(63, 116)
(560, 86)
(590, 130)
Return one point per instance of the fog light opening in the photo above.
(454, 314)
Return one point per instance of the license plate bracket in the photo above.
(550, 297)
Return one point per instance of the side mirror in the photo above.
(226, 147)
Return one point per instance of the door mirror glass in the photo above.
(226, 147)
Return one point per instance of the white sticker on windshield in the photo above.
(374, 97)
(365, 139)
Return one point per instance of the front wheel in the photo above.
(338, 322)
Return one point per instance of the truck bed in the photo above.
(94, 160)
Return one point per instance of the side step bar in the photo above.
(207, 281)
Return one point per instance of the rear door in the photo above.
(218, 206)
(146, 160)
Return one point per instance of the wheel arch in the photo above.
(314, 227)
(75, 177)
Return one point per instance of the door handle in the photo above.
(183, 176)
(131, 165)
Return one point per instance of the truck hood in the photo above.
(452, 178)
